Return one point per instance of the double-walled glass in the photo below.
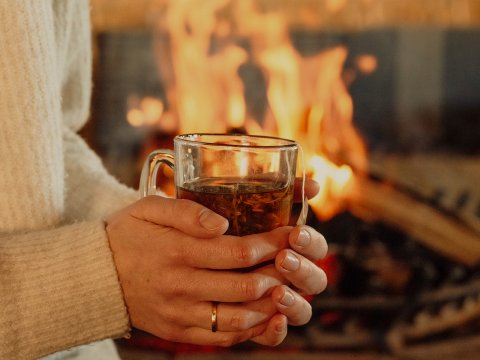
(247, 179)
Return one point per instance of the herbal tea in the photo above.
(251, 206)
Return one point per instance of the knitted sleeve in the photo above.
(58, 289)
(58, 284)
(92, 193)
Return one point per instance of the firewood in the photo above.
(376, 201)
(447, 181)
(425, 324)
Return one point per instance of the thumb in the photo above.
(184, 215)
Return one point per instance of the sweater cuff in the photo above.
(62, 290)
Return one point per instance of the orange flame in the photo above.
(310, 103)
(366, 63)
(308, 100)
(144, 112)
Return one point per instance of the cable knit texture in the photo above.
(58, 283)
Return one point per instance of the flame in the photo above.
(308, 99)
(310, 103)
(135, 117)
(236, 114)
(335, 5)
(144, 112)
(334, 182)
(366, 63)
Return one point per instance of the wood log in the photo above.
(375, 201)
(449, 181)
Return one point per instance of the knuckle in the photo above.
(171, 287)
(180, 206)
(178, 291)
(244, 254)
(253, 287)
(240, 322)
(177, 254)
(188, 209)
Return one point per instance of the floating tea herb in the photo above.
(250, 205)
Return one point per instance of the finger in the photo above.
(237, 317)
(301, 272)
(311, 189)
(269, 333)
(201, 336)
(228, 286)
(233, 252)
(308, 242)
(297, 310)
(275, 332)
(185, 215)
(230, 316)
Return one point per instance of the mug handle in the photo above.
(148, 178)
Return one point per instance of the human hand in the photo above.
(170, 277)
(297, 264)
(311, 189)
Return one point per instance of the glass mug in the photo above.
(247, 179)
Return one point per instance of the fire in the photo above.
(309, 102)
(236, 114)
(144, 112)
(366, 63)
(307, 98)
(334, 182)
(335, 5)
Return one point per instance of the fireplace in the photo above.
(383, 96)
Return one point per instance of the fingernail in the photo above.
(210, 220)
(287, 299)
(303, 239)
(291, 262)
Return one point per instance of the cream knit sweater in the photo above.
(58, 283)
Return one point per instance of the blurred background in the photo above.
(383, 96)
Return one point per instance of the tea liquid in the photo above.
(251, 206)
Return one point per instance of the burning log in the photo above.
(373, 201)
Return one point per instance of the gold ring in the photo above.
(214, 316)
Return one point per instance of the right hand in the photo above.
(173, 262)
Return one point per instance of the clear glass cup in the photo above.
(247, 179)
